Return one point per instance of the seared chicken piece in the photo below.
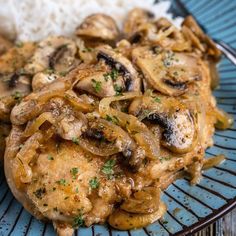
(93, 142)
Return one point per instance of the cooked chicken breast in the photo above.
(107, 128)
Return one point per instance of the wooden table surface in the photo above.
(225, 226)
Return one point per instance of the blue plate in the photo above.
(189, 207)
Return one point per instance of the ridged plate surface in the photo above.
(189, 207)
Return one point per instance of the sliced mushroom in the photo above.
(41, 79)
(179, 126)
(55, 52)
(4, 45)
(123, 220)
(133, 24)
(144, 201)
(197, 35)
(167, 72)
(71, 125)
(122, 65)
(98, 26)
(101, 82)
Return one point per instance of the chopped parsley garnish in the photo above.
(39, 192)
(113, 75)
(19, 44)
(62, 182)
(112, 119)
(87, 50)
(118, 89)
(17, 96)
(74, 171)
(164, 159)
(63, 73)
(49, 71)
(157, 99)
(169, 58)
(97, 85)
(94, 183)
(66, 197)
(78, 221)
(50, 158)
(75, 140)
(107, 168)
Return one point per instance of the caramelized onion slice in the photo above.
(144, 201)
(22, 170)
(143, 136)
(224, 120)
(213, 161)
(119, 140)
(33, 127)
(124, 221)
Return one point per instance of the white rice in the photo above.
(36, 19)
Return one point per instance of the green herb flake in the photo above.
(19, 44)
(94, 183)
(75, 140)
(113, 75)
(97, 85)
(157, 99)
(74, 171)
(50, 158)
(118, 89)
(62, 182)
(78, 221)
(87, 50)
(17, 96)
(63, 73)
(107, 168)
(112, 119)
(164, 159)
(66, 198)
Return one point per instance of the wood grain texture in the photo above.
(225, 226)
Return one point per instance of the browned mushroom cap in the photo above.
(167, 72)
(4, 44)
(55, 52)
(120, 63)
(199, 38)
(98, 26)
(135, 19)
(179, 126)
